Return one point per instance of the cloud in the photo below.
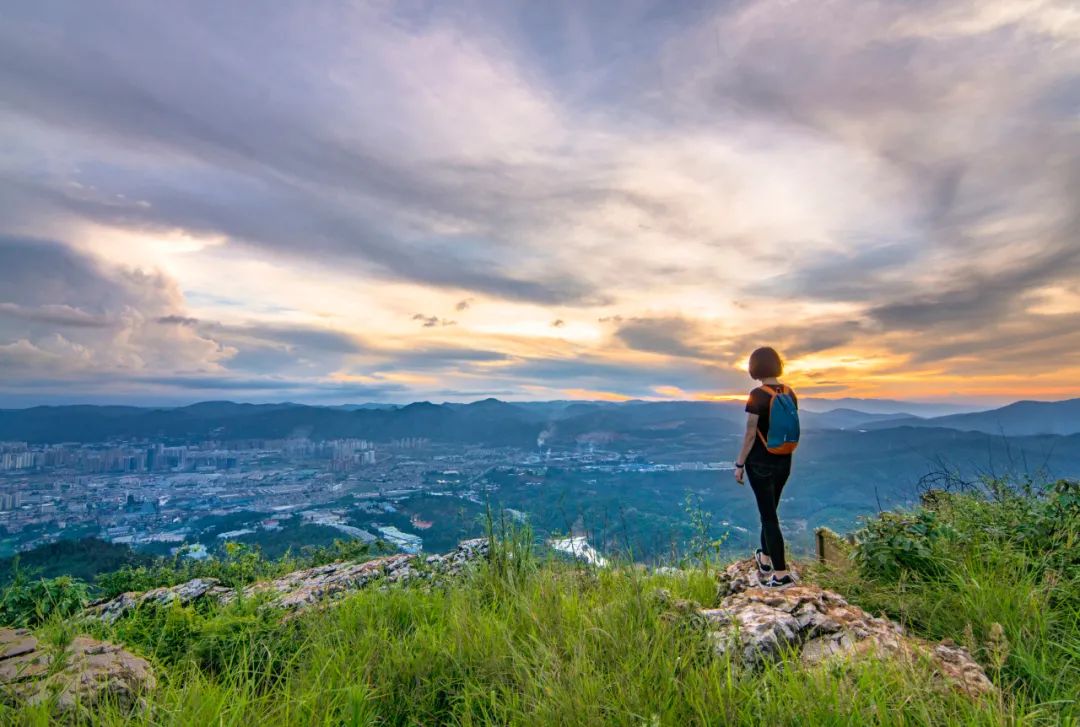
(283, 172)
(56, 315)
(200, 192)
(422, 358)
(670, 336)
(635, 379)
(276, 386)
(69, 313)
(292, 337)
(433, 321)
(806, 338)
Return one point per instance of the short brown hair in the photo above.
(764, 363)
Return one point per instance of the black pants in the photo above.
(767, 480)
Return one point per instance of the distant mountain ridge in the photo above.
(232, 421)
(847, 419)
(489, 421)
(1022, 418)
(885, 406)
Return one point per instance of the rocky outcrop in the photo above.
(465, 553)
(303, 588)
(83, 673)
(307, 587)
(753, 625)
(184, 594)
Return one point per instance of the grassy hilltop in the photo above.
(525, 640)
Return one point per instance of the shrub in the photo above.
(894, 543)
(1040, 522)
(996, 569)
(30, 602)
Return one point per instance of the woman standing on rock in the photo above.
(772, 433)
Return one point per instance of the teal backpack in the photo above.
(783, 421)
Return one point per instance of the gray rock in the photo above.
(88, 671)
(753, 625)
(303, 588)
(184, 593)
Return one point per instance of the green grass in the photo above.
(561, 646)
(1001, 577)
(542, 642)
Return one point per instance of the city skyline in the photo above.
(393, 202)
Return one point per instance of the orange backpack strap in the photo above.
(784, 389)
(772, 395)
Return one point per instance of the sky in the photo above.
(333, 202)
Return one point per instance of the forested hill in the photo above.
(488, 421)
(1018, 419)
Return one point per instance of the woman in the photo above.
(768, 460)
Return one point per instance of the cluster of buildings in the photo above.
(145, 493)
(20, 457)
(151, 493)
(138, 492)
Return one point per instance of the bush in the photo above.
(29, 602)
(1041, 523)
(893, 544)
(83, 559)
(996, 569)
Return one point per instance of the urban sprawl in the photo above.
(148, 494)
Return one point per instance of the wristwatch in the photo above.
(739, 466)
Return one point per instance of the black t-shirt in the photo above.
(758, 403)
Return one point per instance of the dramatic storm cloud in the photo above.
(347, 201)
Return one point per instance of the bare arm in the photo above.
(747, 443)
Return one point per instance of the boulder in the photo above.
(83, 673)
(753, 625)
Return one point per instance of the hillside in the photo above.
(843, 418)
(82, 559)
(1018, 419)
(489, 421)
(521, 638)
(885, 406)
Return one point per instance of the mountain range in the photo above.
(488, 421)
(1019, 418)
